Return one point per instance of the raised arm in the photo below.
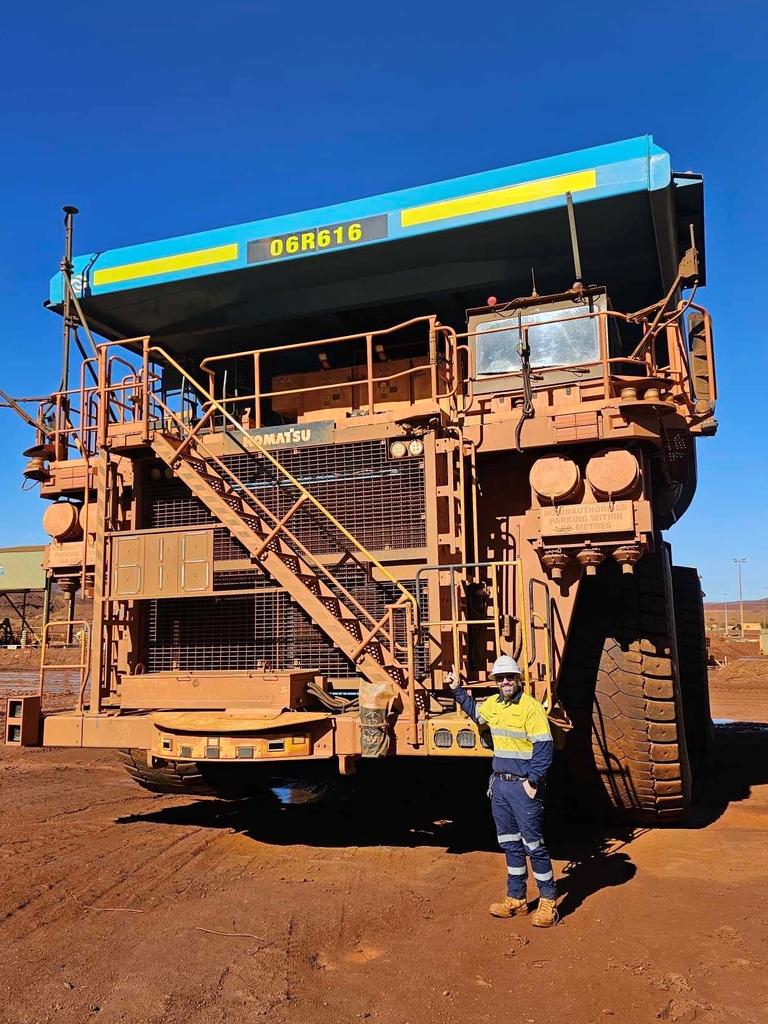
(465, 700)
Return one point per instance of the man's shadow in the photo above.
(595, 860)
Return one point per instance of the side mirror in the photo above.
(702, 370)
(702, 361)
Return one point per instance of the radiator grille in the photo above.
(253, 632)
(380, 500)
(171, 504)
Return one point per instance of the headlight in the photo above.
(398, 449)
(443, 738)
(465, 738)
(416, 446)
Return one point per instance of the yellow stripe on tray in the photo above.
(496, 199)
(167, 264)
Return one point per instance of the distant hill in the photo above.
(754, 611)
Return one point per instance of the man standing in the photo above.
(522, 755)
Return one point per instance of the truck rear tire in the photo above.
(166, 777)
(620, 686)
(190, 778)
(692, 654)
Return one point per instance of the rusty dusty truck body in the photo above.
(303, 466)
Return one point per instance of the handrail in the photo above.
(456, 621)
(710, 354)
(251, 442)
(359, 336)
(369, 381)
(84, 635)
(547, 701)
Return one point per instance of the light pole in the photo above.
(739, 562)
(725, 607)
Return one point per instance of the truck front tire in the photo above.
(620, 685)
(178, 778)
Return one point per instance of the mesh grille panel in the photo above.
(226, 547)
(171, 504)
(255, 631)
(380, 500)
(210, 633)
(240, 580)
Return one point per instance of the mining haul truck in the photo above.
(305, 465)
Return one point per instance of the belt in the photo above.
(509, 777)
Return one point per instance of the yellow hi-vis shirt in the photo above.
(522, 740)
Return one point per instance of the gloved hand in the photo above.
(452, 679)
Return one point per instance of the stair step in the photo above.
(254, 523)
(353, 628)
(234, 503)
(310, 582)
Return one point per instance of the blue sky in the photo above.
(165, 118)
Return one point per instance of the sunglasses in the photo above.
(507, 678)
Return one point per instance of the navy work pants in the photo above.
(518, 821)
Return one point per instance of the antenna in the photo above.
(66, 269)
(574, 240)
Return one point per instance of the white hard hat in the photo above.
(505, 666)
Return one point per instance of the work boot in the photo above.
(510, 907)
(545, 914)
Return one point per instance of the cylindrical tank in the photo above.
(613, 473)
(61, 520)
(555, 478)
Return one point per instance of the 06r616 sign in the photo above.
(319, 239)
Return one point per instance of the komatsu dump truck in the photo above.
(305, 465)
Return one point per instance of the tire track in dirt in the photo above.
(48, 905)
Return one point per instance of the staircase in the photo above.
(369, 643)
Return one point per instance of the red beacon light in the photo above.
(492, 300)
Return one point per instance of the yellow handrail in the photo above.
(252, 442)
(547, 702)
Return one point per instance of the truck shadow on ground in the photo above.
(738, 761)
(415, 806)
(596, 856)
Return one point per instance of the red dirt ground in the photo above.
(739, 690)
(106, 892)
